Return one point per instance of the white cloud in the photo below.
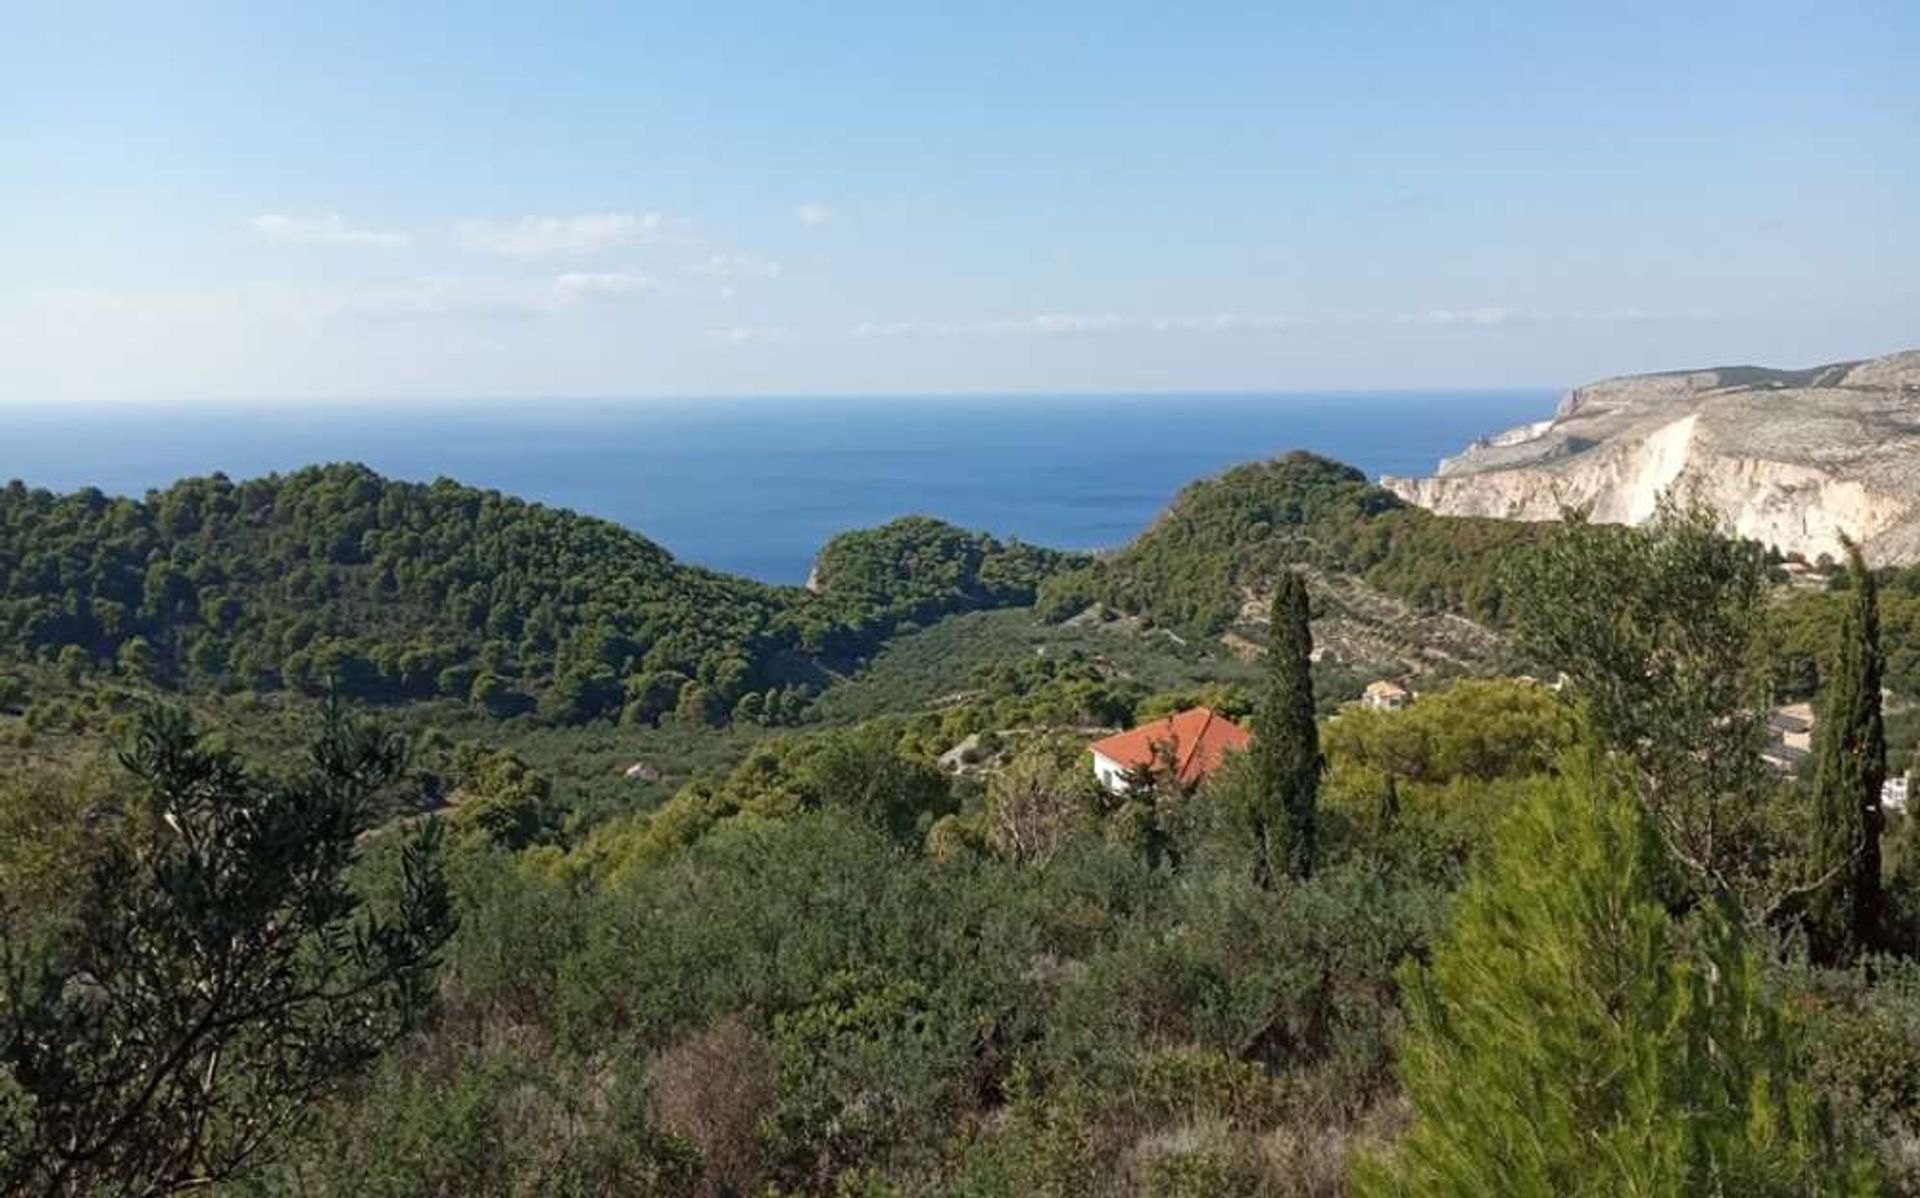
(1056, 323)
(874, 329)
(746, 334)
(561, 236)
(1044, 324)
(1223, 322)
(1072, 324)
(1486, 316)
(735, 266)
(291, 305)
(1496, 316)
(584, 287)
(813, 214)
(323, 230)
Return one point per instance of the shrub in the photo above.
(1570, 1038)
(712, 1089)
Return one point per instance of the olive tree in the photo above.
(217, 972)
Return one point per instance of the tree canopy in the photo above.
(333, 578)
(1226, 536)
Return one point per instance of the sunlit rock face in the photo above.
(1792, 458)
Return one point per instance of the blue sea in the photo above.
(755, 486)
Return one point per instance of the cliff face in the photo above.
(1792, 458)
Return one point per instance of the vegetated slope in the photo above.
(333, 576)
(975, 657)
(917, 569)
(1223, 540)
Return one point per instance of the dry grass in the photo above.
(711, 1089)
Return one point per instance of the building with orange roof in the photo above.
(1192, 742)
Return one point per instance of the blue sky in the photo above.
(292, 201)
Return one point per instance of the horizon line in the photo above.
(495, 399)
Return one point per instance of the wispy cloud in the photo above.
(747, 334)
(1224, 322)
(583, 287)
(735, 266)
(433, 298)
(813, 214)
(438, 297)
(1484, 316)
(1056, 323)
(1230, 323)
(1071, 324)
(323, 230)
(420, 298)
(1500, 316)
(565, 236)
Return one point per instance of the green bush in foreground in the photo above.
(1571, 1038)
(219, 972)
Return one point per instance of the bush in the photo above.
(713, 1088)
(511, 1120)
(1570, 1038)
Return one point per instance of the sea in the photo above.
(756, 486)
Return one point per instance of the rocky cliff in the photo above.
(1793, 458)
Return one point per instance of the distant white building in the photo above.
(1893, 793)
(1790, 743)
(1789, 737)
(1386, 695)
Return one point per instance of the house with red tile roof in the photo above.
(1192, 743)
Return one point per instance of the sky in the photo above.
(326, 200)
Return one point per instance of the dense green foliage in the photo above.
(214, 972)
(804, 1004)
(1657, 628)
(915, 570)
(1847, 913)
(1479, 729)
(1004, 669)
(1286, 743)
(1230, 535)
(1802, 627)
(912, 946)
(335, 578)
(1571, 1038)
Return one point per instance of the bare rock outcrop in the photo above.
(1792, 458)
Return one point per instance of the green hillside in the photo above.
(1223, 537)
(333, 577)
(526, 949)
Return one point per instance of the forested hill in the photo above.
(1226, 537)
(333, 576)
(916, 569)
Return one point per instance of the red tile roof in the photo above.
(1198, 739)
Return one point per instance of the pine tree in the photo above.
(1569, 1039)
(1850, 766)
(1286, 743)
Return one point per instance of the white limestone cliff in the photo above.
(1790, 458)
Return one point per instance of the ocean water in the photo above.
(755, 486)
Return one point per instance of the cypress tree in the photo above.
(1850, 766)
(1286, 743)
(1571, 1039)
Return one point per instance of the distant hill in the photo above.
(334, 577)
(1792, 458)
(1206, 563)
(917, 569)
